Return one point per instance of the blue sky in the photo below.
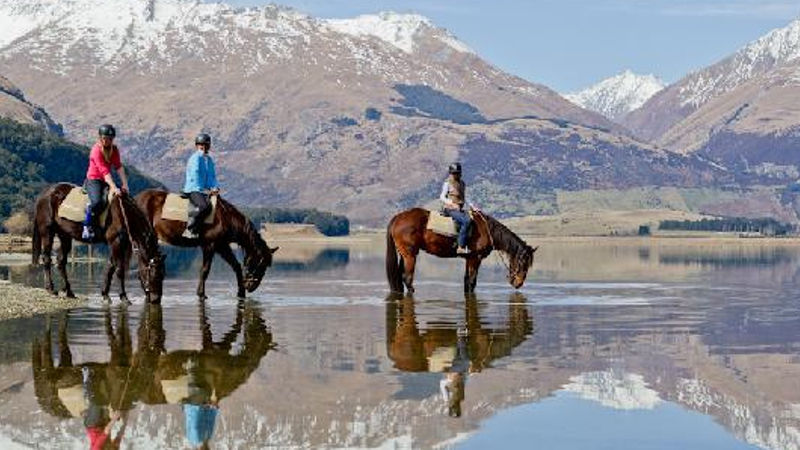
(570, 44)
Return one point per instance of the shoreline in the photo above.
(17, 301)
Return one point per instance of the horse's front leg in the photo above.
(63, 254)
(123, 262)
(208, 257)
(110, 269)
(471, 274)
(226, 253)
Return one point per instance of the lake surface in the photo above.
(610, 344)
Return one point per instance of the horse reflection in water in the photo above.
(197, 380)
(449, 348)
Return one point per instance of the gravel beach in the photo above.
(22, 301)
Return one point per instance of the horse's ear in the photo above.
(533, 250)
(273, 250)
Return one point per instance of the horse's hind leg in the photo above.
(409, 263)
(63, 254)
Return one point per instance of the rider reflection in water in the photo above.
(99, 419)
(200, 408)
(452, 384)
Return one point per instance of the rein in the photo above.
(134, 243)
(127, 226)
(491, 240)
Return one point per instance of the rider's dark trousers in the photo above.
(202, 206)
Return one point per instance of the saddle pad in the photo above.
(175, 390)
(73, 399)
(441, 359)
(74, 206)
(441, 224)
(177, 208)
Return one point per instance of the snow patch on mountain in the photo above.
(398, 30)
(775, 48)
(614, 389)
(155, 33)
(618, 95)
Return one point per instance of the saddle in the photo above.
(73, 207)
(441, 224)
(176, 207)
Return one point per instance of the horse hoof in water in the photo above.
(70, 294)
(124, 299)
(106, 298)
(241, 295)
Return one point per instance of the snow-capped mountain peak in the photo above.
(395, 29)
(616, 96)
(782, 44)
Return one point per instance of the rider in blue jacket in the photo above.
(201, 182)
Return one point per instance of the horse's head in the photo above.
(256, 264)
(519, 265)
(151, 275)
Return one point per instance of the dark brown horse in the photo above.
(126, 231)
(407, 234)
(228, 227)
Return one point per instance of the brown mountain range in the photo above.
(358, 116)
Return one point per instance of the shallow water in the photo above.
(610, 344)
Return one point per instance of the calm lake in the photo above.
(610, 344)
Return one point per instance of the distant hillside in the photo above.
(31, 158)
(14, 105)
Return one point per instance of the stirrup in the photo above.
(88, 233)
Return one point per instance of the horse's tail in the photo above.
(36, 251)
(41, 212)
(394, 266)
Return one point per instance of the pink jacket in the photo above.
(98, 166)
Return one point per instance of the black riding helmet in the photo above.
(107, 130)
(454, 168)
(202, 139)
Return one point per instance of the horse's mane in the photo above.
(504, 239)
(141, 229)
(243, 230)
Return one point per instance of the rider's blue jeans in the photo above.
(463, 221)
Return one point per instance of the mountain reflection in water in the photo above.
(662, 344)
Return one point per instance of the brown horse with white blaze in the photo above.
(126, 231)
(229, 226)
(407, 234)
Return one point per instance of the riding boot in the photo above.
(191, 231)
(88, 228)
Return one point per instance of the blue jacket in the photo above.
(201, 174)
(200, 421)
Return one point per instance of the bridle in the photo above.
(144, 272)
(501, 253)
(248, 276)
